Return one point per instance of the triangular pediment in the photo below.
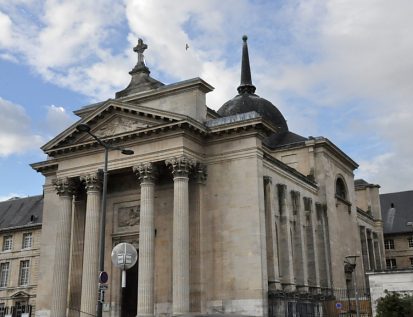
(113, 120)
(20, 294)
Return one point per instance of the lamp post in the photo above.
(350, 266)
(83, 127)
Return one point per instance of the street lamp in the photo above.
(350, 267)
(83, 127)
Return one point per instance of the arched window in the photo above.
(341, 189)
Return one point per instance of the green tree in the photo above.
(395, 305)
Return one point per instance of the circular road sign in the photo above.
(124, 256)
(103, 277)
(339, 305)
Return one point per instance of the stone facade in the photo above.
(20, 232)
(221, 214)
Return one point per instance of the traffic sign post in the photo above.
(124, 256)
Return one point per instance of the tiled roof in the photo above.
(19, 212)
(395, 218)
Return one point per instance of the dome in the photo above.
(247, 100)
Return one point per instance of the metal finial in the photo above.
(246, 85)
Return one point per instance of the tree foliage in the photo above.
(395, 305)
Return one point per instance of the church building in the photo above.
(227, 209)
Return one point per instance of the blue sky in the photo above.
(339, 69)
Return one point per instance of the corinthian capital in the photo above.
(93, 181)
(145, 172)
(180, 166)
(64, 186)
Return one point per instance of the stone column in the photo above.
(78, 234)
(64, 188)
(91, 246)
(146, 240)
(180, 246)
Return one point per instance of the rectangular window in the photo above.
(27, 240)
(410, 242)
(2, 310)
(7, 243)
(24, 273)
(4, 273)
(389, 244)
(411, 262)
(391, 264)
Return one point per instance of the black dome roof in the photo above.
(247, 100)
(251, 102)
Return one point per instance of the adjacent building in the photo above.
(397, 210)
(230, 211)
(20, 228)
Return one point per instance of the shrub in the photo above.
(395, 305)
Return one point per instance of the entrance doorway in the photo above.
(130, 292)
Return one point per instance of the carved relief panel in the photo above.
(126, 217)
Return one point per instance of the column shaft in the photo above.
(78, 233)
(91, 248)
(146, 243)
(180, 247)
(62, 254)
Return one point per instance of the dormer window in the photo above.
(341, 189)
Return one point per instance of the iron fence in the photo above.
(325, 303)
(16, 311)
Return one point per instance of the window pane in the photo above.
(4, 274)
(7, 243)
(389, 244)
(24, 272)
(27, 240)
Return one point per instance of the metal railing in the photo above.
(16, 311)
(325, 303)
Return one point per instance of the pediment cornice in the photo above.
(113, 119)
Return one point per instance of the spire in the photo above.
(246, 85)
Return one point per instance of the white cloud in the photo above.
(16, 136)
(307, 56)
(6, 31)
(57, 119)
